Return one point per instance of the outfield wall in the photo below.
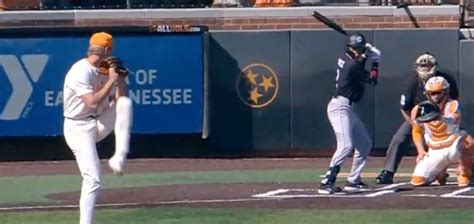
(280, 111)
(304, 63)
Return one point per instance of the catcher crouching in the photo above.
(437, 121)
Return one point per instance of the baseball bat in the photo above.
(329, 23)
(403, 5)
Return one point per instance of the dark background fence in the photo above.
(288, 118)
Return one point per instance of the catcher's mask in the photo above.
(426, 66)
(436, 89)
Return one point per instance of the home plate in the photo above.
(312, 193)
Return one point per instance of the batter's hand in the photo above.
(374, 75)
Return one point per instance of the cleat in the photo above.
(328, 183)
(356, 187)
(464, 181)
(328, 189)
(441, 179)
(385, 177)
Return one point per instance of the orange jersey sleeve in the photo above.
(417, 130)
(452, 114)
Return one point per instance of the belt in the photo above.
(335, 97)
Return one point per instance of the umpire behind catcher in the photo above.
(426, 66)
(350, 132)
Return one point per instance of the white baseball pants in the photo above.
(350, 134)
(436, 161)
(82, 136)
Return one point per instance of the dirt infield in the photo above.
(297, 195)
(248, 195)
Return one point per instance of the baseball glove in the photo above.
(427, 111)
(113, 62)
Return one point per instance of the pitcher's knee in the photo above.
(91, 184)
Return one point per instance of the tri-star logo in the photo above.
(257, 85)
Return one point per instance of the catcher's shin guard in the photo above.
(464, 171)
(418, 181)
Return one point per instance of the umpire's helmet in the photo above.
(357, 41)
(426, 65)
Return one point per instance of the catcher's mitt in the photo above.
(113, 62)
(427, 111)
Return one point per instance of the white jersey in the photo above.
(82, 78)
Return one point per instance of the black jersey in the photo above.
(415, 92)
(351, 78)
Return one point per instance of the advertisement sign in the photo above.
(165, 82)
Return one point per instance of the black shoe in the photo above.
(328, 188)
(385, 177)
(356, 187)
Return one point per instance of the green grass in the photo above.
(247, 216)
(33, 188)
(29, 189)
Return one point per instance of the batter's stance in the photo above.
(350, 131)
(94, 105)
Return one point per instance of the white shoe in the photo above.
(116, 164)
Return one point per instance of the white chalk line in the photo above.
(389, 189)
(421, 195)
(137, 204)
(376, 194)
(275, 192)
(267, 196)
(281, 193)
(391, 186)
(456, 193)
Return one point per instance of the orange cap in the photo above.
(101, 39)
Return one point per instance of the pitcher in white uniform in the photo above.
(95, 104)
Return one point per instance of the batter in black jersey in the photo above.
(351, 78)
(426, 67)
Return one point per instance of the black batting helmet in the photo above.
(357, 41)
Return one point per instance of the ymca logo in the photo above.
(21, 74)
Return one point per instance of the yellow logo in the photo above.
(257, 85)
